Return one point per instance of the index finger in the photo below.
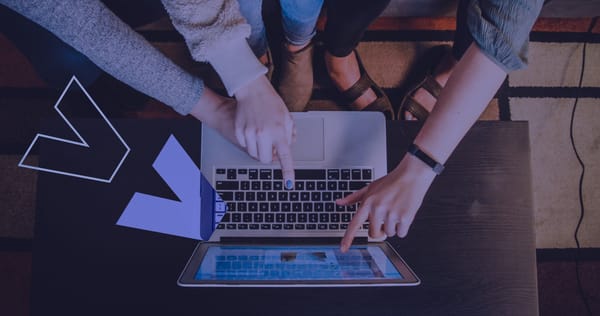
(357, 220)
(284, 154)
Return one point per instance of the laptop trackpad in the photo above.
(310, 140)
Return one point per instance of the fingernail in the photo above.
(288, 184)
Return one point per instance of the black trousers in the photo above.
(347, 21)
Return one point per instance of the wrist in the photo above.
(207, 106)
(252, 88)
(412, 167)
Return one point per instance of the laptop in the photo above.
(262, 234)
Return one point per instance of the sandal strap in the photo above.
(381, 104)
(358, 88)
(432, 86)
(415, 108)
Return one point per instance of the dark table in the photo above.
(472, 243)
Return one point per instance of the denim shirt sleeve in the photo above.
(501, 29)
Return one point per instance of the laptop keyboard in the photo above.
(255, 199)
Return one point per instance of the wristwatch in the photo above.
(417, 152)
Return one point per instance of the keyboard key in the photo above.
(357, 185)
(321, 185)
(220, 226)
(315, 196)
(310, 174)
(286, 207)
(258, 217)
(334, 226)
(231, 174)
(283, 196)
(337, 195)
(346, 217)
(276, 226)
(277, 174)
(265, 226)
(236, 217)
(250, 196)
(239, 196)
(269, 217)
(263, 207)
(299, 185)
(290, 217)
(280, 217)
(343, 185)
(329, 207)
(294, 196)
(288, 226)
(311, 226)
(242, 207)
(326, 196)
(356, 174)
(247, 218)
(304, 196)
(245, 185)
(310, 185)
(345, 174)
(266, 185)
(307, 207)
(265, 174)
(242, 226)
(324, 217)
(242, 171)
(335, 217)
(312, 217)
(253, 207)
(253, 174)
(226, 196)
(272, 196)
(231, 226)
(254, 226)
(227, 185)
(319, 207)
(322, 226)
(299, 226)
(343, 226)
(231, 207)
(226, 218)
(351, 208)
(220, 171)
(333, 174)
(302, 218)
(274, 207)
(340, 208)
(297, 207)
(255, 185)
(365, 226)
(366, 174)
(331, 185)
(261, 196)
(277, 185)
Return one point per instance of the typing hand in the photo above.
(389, 203)
(264, 127)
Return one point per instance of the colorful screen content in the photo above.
(252, 263)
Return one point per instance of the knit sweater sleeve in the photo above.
(216, 32)
(91, 28)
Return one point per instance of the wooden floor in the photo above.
(557, 284)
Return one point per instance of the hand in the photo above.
(264, 126)
(217, 112)
(391, 202)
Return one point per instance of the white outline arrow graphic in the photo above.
(81, 141)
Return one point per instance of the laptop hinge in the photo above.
(290, 240)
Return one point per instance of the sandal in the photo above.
(381, 104)
(424, 80)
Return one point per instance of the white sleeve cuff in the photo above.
(236, 64)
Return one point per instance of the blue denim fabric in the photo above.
(299, 19)
(500, 29)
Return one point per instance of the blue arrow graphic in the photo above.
(166, 216)
(82, 150)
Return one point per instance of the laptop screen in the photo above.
(274, 262)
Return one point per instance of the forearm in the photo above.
(469, 90)
(91, 28)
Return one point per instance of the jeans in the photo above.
(299, 19)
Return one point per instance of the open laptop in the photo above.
(270, 236)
